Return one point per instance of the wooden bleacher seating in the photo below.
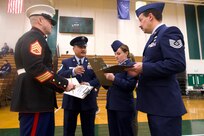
(181, 77)
(108, 59)
(7, 83)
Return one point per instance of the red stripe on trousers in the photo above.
(35, 124)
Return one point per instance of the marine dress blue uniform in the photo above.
(73, 106)
(158, 92)
(34, 94)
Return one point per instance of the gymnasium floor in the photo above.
(193, 121)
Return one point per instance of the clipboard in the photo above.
(97, 64)
(99, 67)
(115, 69)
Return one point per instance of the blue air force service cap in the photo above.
(158, 6)
(116, 44)
(79, 41)
(42, 10)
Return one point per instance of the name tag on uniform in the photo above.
(71, 67)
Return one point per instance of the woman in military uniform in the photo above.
(120, 101)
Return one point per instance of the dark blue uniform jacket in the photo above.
(34, 90)
(73, 103)
(120, 94)
(158, 90)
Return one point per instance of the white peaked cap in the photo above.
(40, 9)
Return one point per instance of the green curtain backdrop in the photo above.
(52, 38)
(192, 32)
(201, 27)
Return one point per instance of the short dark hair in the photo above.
(157, 14)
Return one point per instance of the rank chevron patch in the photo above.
(35, 48)
(44, 76)
(175, 43)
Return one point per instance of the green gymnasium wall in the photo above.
(52, 38)
(195, 79)
(200, 10)
(195, 50)
(192, 32)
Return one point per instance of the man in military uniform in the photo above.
(77, 66)
(34, 93)
(158, 92)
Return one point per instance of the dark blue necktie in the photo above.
(80, 63)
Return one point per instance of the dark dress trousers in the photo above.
(73, 106)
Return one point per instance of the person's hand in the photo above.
(136, 70)
(138, 67)
(79, 70)
(85, 83)
(132, 73)
(70, 86)
(109, 76)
